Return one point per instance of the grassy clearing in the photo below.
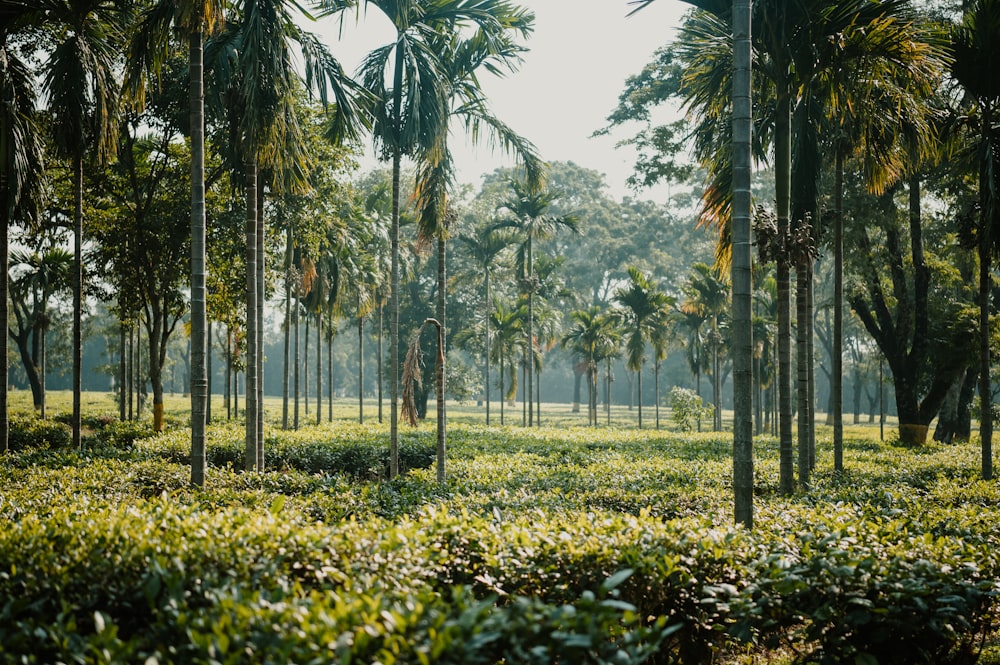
(108, 555)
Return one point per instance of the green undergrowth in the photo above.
(549, 546)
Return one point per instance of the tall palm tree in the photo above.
(527, 214)
(492, 47)
(148, 51)
(20, 156)
(255, 61)
(485, 245)
(407, 113)
(80, 81)
(642, 306)
(977, 49)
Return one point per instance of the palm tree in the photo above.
(20, 157)
(589, 339)
(642, 306)
(147, 52)
(977, 48)
(485, 245)
(527, 213)
(707, 296)
(80, 82)
(491, 47)
(407, 115)
(661, 336)
(256, 63)
(507, 333)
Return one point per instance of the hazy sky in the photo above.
(580, 54)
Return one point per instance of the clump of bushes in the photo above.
(32, 432)
(687, 408)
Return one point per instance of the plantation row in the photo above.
(547, 546)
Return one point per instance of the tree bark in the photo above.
(77, 297)
(250, 429)
(199, 374)
(741, 265)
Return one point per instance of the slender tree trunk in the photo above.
(441, 371)
(122, 381)
(837, 385)
(380, 380)
(329, 375)
(503, 397)
(259, 414)
(742, 337)
(250, 444)
(716, 382)
(285, 374)
(783, 161)
(6, 196)
(319, 368)
(208, 371)
(656, 391)
(229, 373)
(42, 362)
(133, 383)
(305, 365)
(985, 286)
(810, 355)
(77, 296)
(199, 374)
(297, 365)
(529, 366)
(361, 368)
(638, 377)
(802, 364)
(486, 288)
(607, 396)
(397, 99)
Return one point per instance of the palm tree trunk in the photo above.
(305, 365)
(783, 162)
(297, 365)
(503, 397)
(441, 372)
(5, 195)
(286, 371)
(378, 367)
(486, 288)
(250, 443)
(529, 261)
(361, 369)
(802, 361)
(607, 390)
(229, 373)
(656, 391)
(199, 375)
(397, 102)
(329, 376)
(319, 368)
(122, 386)
(742, 337)
(208, 371)
(987, 207)
(77, 296)
(838, 315)
(638, 382)
(259, 415)
(810, 354)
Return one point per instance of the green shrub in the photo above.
(31, 432)
(687, 409)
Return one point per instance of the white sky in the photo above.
(580, 54)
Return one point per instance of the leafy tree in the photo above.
(976, 46)
(21, 150)
(507, 339)
(38, 276)
(527, 214)
(642, 310)
(143, 241)
(79, 80)
(148, 49)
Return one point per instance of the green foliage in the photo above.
(32, 432)
(110, 554)
(356, 451)
(687, 409)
